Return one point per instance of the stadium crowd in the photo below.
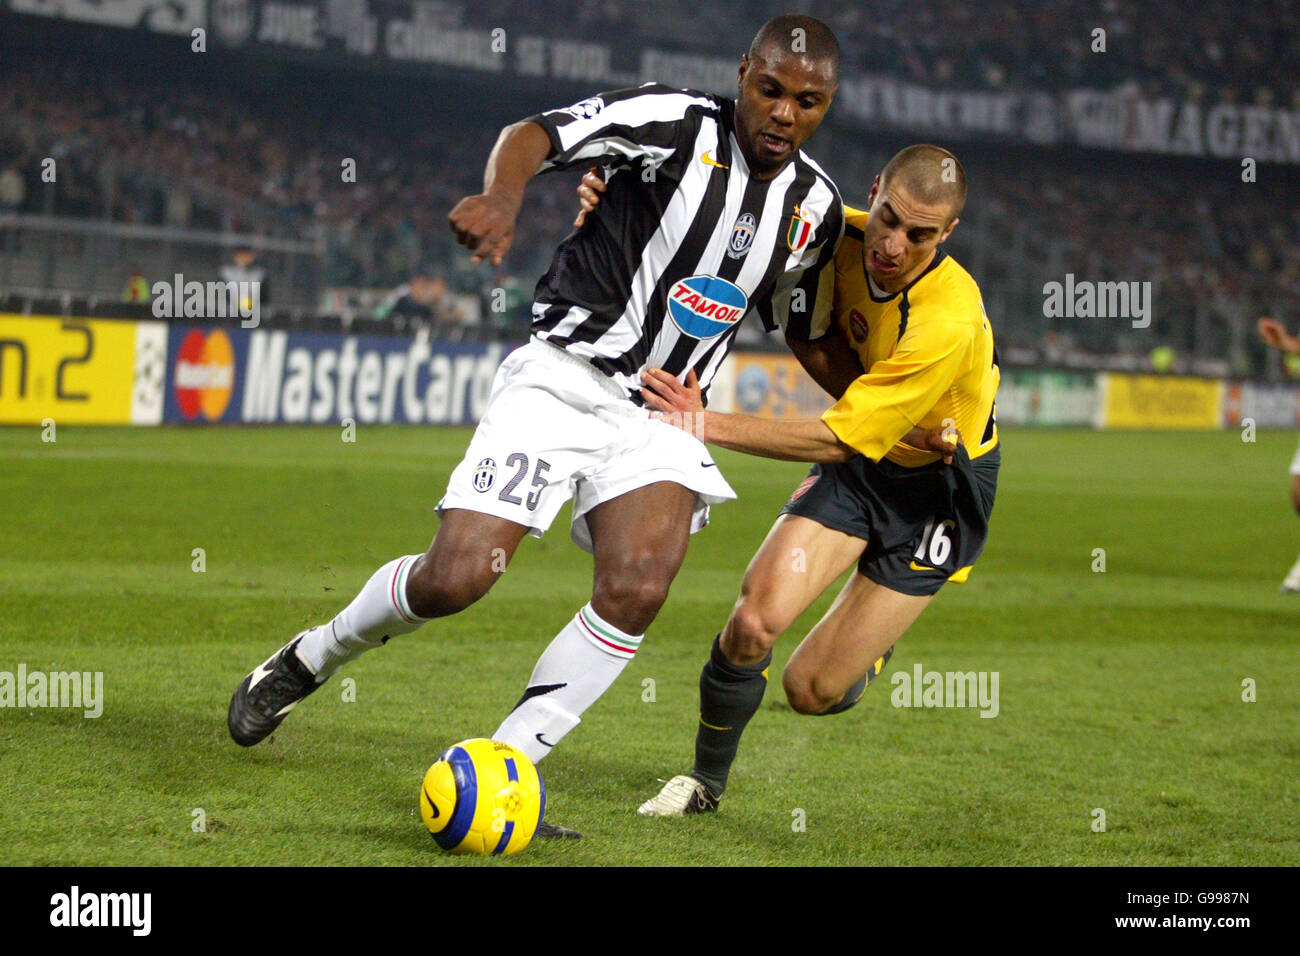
(1251, 50)
(268, 157)
(1048, 44)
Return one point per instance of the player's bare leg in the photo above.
(864, 622)
(797, 562)
(639, 541)
(468, 554)
(826, 674)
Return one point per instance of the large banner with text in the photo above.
(232, 375)
(439, 37)
(117, 372)
(80, 371)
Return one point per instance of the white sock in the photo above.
(379, 612)
(577, 667)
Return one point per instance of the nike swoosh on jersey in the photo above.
(919, 567)
(710, 161)
(708, 464)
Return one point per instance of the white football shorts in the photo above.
(1295, 463)
(557, 428)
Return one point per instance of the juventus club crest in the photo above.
(742, 236)
(800, 231)
(484, 474)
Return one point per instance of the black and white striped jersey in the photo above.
(685, 242)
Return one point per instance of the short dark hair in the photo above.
(930, 173)
(817, 41)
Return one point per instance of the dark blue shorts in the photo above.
(923, 526)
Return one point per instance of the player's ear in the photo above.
(830, 93)
(875, 187)
(744, 68)
(948, 232)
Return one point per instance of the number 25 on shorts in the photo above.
(520, 460)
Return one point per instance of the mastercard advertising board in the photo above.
(81, 371)
(230, 375)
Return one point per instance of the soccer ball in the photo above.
(482, 796)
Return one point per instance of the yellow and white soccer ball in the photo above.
(482, 796)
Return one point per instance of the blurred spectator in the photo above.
(12, 189)
(505, 301)
(424, 300)
(243, 267)
(137, 287)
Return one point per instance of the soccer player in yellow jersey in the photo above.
(925, 370)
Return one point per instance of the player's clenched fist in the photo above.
(485, 224)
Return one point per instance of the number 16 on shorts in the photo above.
(935, 546)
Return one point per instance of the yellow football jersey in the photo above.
(928, 351)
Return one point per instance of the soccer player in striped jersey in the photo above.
(713, 211)
(1275, 334)
(911, 515)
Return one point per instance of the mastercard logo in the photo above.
(205, 374)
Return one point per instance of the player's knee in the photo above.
(806, 696)
(440, 588)
(752, 630)
(1295, 493)
(630, 595)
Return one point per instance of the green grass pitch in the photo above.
(1120, 691)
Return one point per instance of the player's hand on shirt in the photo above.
(944, 440)
(485, 224)
(589, 190)
(671, 401)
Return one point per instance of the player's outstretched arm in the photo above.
(682, 406)
(1275, 334)
(811, 440)
(485, 223)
